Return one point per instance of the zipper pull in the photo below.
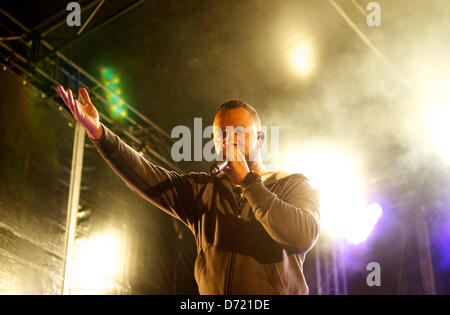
(240, 200)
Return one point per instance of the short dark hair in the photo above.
(239, 103)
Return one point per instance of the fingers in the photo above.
(85, 96)
(73, 104)
(76, 105)
(70, 98)
(240, 153)
(234, 152)
(63, 94)
(60, 90)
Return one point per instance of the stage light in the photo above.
(98, 262)
(364, 222)
(113, 99)
(119, 111)
(111, 82)
(302, 59)
(436, 105)
(107, 73)
(337, 177)
(111, 86)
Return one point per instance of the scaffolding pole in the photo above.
(72, 206)
(425, 260)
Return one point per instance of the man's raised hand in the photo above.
(85, 113)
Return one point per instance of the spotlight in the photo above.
(436, 107)
(119, 111)
(111, 86)
(97, 262)
(302, 59)
(107, 74)
(113, 99)
(111, 82)
(365, 220)
(337, 177)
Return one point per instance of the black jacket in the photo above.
(250, 242)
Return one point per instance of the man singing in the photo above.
(252, 227)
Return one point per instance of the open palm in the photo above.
(85, 113)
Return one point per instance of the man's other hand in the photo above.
(85, 113)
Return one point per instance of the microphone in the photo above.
(218, 167)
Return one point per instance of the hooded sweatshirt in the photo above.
(249, 241)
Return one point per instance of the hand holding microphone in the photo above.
(236, 168)
(218, 167)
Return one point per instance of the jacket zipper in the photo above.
(228, 285)
(240, 205)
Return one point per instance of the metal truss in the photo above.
(43, 67)
(331, 276)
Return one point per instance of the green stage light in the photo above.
(107, 74)
(111, 82)
(111, 86)
(119, 111)
(113, 99)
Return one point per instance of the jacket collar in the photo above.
(273, 178)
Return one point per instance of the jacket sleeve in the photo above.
(293, 218)
(170, 191)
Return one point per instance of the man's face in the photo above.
(244, 134)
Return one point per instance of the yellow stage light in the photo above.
(302, 59)
(98, 261)
(436, 105)
(338, 179)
